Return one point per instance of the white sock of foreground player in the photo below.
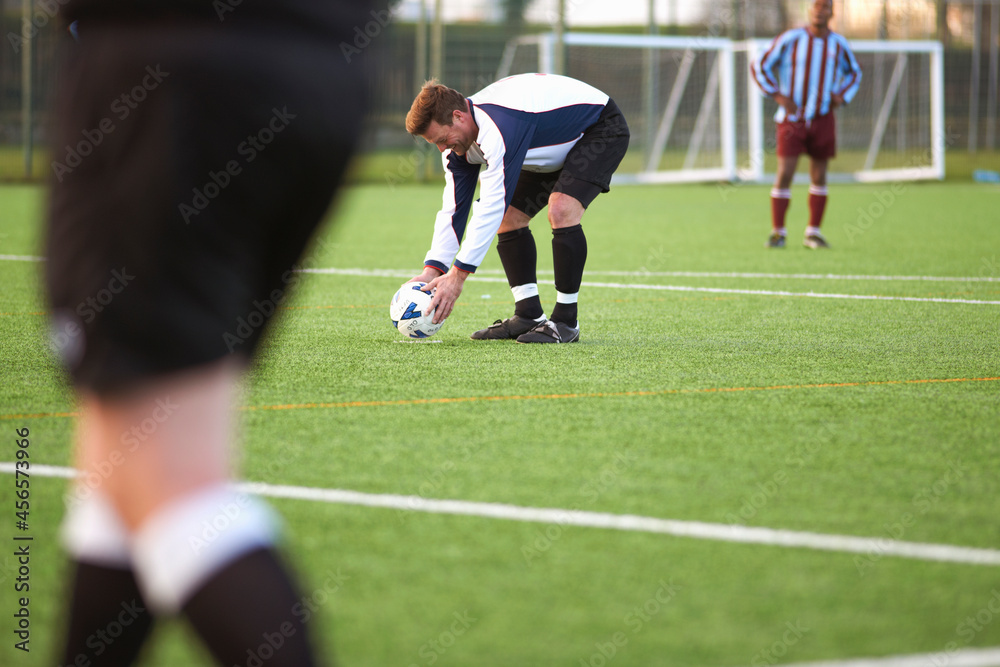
(108, 620)
(210, 557)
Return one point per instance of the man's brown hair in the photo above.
(435, 102)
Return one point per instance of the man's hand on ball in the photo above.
(429, 273)
(448, 287)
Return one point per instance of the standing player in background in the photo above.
(544, 140)
(193, 207)
(809, 72)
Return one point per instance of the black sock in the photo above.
(246, 611)
(108, 620)
(569, 256)
(519, 257)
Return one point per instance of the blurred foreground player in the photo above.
(197, 147)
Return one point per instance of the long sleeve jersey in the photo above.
(527, 121)
(808, 69)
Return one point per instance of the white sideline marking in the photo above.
(627, 522)
(390, 273)
(797, 276)
(813, 295)
(969, 657)
(21, 258)
(404, 273)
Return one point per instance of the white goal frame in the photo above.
(868, 174)
(721, 90)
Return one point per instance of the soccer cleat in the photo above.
(512, 327)
(814, 241)
(551, 332)
(775, 241)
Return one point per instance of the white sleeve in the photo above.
(449, 224)
(487, 213)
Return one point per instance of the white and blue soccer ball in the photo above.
(410, 311)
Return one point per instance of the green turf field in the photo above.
(758, 403)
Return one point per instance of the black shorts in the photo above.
(587, 170)
(191, 165)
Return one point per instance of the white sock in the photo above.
(184, 544)
(522, 292)
(567, 298)
(810, 231)
(93, 533)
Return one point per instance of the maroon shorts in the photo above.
(816, 138)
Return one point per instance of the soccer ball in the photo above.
(409, 312)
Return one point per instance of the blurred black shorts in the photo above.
(191, 164)
(587, 170)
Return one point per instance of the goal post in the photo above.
(697, 116)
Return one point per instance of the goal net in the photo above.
(696, 115)
(893, 129)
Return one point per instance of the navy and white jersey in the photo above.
(527, 121)
(808, 69)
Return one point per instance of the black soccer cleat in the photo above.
(551, 332)
(512, 327)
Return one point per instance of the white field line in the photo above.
(813, 295)
(969, 657)
(782, 276)
(21, 258)
(391, 273)
(627, 522)
(405, 273)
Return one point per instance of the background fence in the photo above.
(462, 42)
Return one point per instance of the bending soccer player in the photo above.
(809, 71)
(531, 141)
(187, 216)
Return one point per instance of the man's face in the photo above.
(820, 13)
(458, 136)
